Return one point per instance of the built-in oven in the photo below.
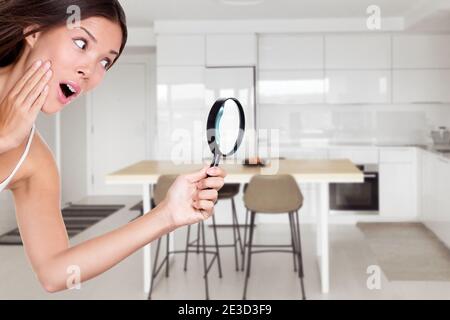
(359, 197)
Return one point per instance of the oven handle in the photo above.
(370, 175)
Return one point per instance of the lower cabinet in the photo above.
(397, 184)
(435, 186)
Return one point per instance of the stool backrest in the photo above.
(162, 186)
(273, 194)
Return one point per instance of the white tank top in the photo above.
(5, 183)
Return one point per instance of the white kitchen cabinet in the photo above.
(357, 51)
(287, 52)
(231, 50)
(180, 50)
(421, 86)
(358, 86)
(435, 209)
(398, 183)
(180, 109)
(291, 87)
(421, 51)
(428, 188)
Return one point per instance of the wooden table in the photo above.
(320, 172)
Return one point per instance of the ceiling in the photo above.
(143, 12)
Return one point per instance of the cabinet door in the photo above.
(230, 50)
(180, 110)
(368, 86)
(175, 50)
(358, 52)
(421, 51)
(291, 87)
(287, 52)
(421, 86)
(439, 219)
(428, 190)
(397, 190)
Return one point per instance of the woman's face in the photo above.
(80, 58)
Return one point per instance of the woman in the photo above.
(73, 60)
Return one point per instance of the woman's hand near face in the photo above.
(21, 106)
(191, 197)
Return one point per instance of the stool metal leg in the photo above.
(217, 245)
(205, 264)
(167, 254)
(198, 238)
(186, 250)
(245, 239)
(238, 233)
(235, 238)
(294, 250)
(249, 253)
(155, 264)
(300, 260)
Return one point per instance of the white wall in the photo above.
(74, 151)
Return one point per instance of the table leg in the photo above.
(146, 190)
(322, 238)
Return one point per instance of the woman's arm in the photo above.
(45, 238)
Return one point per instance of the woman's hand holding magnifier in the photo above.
(21, 106)
(191, 197)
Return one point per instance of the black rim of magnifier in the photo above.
(211, 128)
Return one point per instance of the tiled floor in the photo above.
(272, 274)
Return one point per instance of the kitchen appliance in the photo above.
(357, 197)
(441, 139)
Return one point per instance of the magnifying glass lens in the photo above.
(227, 127)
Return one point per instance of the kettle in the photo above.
(441, 136)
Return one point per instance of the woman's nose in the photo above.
(84, 73)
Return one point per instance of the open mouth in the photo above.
(68, 90)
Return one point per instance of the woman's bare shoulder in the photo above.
(39, 163)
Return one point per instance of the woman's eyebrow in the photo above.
(95, 40)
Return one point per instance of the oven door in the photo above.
(356, 196)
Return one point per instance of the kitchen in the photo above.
(322, 81)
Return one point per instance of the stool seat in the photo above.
(229, 190)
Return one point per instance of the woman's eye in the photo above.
(80, 44)
(105, 63)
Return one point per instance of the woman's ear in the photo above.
(31, 39)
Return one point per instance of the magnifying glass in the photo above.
(225, 128)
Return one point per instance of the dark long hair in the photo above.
(16, 15)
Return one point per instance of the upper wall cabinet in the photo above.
(358, 86)
(231, 50)
(177, 50)
(291, 87)
(358, 52)
(421, 86)
(421, 51)
(287, 52)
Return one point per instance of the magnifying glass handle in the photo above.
(215, 161)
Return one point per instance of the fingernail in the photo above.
(47, 65)
(212, 170)
(49, 73)
(38, 63)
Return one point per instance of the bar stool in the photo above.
(273, 194)
(159, 193)
(227, 192)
